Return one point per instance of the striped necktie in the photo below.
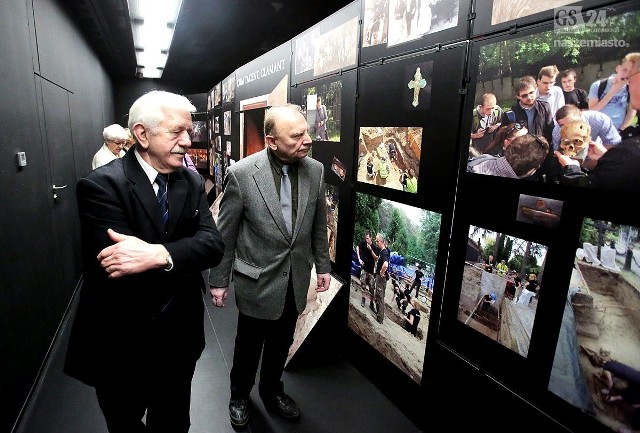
(163, 200)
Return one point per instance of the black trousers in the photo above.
(164, 394)
(270, 339)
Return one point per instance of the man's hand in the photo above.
(131, 255)
(478, 134)
(218, 295)
(596, 150)
(323, 282)
(564, 160)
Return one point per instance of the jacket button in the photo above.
(284, 274)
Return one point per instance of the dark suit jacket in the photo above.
(259, 249)
(125, 324)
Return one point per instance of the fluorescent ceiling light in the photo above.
(153, 23)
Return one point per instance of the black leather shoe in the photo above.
(284, 405)
(239, 412)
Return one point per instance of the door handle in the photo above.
(55, 188)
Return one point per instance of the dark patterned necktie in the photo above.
(285, 197)
(163, 201)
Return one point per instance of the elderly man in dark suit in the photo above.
(271, 256)
(138, 330)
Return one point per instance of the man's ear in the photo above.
(271, 142)
(142, 135)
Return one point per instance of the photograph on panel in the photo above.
(225, 91)
(509, 10)
(216, 124)
(540, 211)
(317, 303)
(596, 366)
(333, 200)
(210, 130)
(210, 100)
(217, 95)
(500, 287)
(218, 173)
(389, 156)
(393, 261)
(336, 49)
(212, 166)
(226, 124)
(393, 22)
(304, 49)
(550, 108)
(339, 168)
(199, 131)
(199, 158)
(322, 106)
(231, 88)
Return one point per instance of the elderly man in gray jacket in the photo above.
(271, 248)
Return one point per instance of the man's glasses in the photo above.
(542, 144)
(526, 95)
(515, 127)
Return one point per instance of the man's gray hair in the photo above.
(148, 109)
(272, 113)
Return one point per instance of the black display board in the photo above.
(533, 344)
(336, 153)
(387, 99)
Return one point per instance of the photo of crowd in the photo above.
(553, 115)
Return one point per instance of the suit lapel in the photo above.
(178, 188)
(304, 174)
(143, 191)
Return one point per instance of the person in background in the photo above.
(613, 98)
(486, 121)
(535, 114)
(602, 130)
(573, 95)
(115, 137)
(502, 268)
(188, 163)
(489, 264)
(321, 120)
(547, 90)
(130, 140)
(382, 266)
(522, 159)
(413, 318)
(616, 168)
(412, 181)
(503, 137)
(138, 331)
(367, 254)
(269, 259)
(417, 280)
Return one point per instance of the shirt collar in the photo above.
(148, 170)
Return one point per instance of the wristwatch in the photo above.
(169, 264)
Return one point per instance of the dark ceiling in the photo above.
(212, 38)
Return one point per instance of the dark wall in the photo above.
(127, 91)
(56, 99)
